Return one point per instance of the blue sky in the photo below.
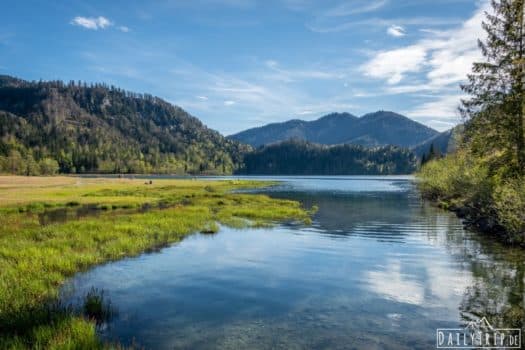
(237, 64)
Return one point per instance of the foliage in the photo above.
(36, 255)
(297, 157)
(509, 201)
(432, 154)
(496, 107)
(104, 129)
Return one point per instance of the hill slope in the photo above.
(375, 129)
(444, 142)
(98, 128)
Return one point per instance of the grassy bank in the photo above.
(53, 227)
(489, 200)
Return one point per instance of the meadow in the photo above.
(54, 227)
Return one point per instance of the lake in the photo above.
(379, 268)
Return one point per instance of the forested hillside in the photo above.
(297, 157)
(49, 127)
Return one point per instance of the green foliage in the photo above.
(97, 128)
(297, 157)
(509, 202)
(496, 106)
(456, 178)
(461, 180)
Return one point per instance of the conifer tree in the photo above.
(496, 107)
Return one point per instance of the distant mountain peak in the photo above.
(379, 128)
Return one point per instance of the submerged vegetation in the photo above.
(484, 181)
(128, 217)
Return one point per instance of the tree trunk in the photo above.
(521, 96)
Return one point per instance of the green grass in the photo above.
(36, 259)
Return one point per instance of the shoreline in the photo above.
(36, 259)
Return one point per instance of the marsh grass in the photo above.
(97, 307)
(132, 217)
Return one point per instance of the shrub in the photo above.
(509, 202)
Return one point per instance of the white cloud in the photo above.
(203, 98)
(123, 29)
(305, 112)
(229, 103)
(446, 55)
(396, 31)
(435, 64)
(93, 23)
(392, 65)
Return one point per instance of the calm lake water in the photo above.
(378, 269)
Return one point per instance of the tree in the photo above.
(496, 108)
(48, 166)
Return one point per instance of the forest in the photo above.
(297, 157)
(54, 127)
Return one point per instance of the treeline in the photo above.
(87, 128)
(296, 157)
(484, 180)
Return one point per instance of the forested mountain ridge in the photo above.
(374, 129)
(298, 157)
(76, 128)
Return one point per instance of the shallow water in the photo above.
(378, 269)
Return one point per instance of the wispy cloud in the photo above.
(443, 110)
(437, 64)
(355, 7)
(93, 23)
(396, 31)
(323, 26)
(123, 29)
(291, 75)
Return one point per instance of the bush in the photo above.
(48, 166)
(460, 180)
(509, 202)
(456, 178)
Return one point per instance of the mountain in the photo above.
(444, 142)
(297, 157)
(77, 128)
(374, 129)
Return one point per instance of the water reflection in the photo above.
(378, 269)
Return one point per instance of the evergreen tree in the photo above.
(496, 108)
